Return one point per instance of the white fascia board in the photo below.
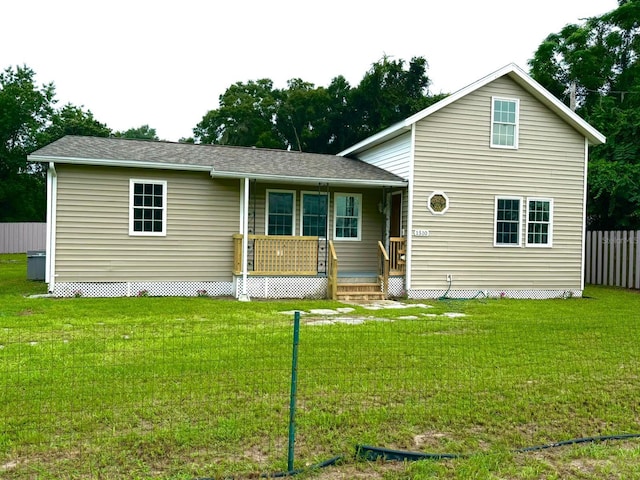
(514, 72)
(119, 163)
(310, 180)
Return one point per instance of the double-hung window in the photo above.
(314, 214)
(347, 216)
(147, 207)
(507, 221)
(504, 122)
(539, 222)
(280, 212)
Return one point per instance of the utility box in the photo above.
(36, 260)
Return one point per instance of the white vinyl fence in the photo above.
(613, 258)
(21, 237)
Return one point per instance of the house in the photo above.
(483, 193)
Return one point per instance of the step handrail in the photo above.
(332, 287)
(383, 268)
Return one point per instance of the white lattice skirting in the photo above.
(284, 287)
(257, 287)
(151, 289)
(519, 294)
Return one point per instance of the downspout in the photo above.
(244, 230)
(52, 195)
(409, 232)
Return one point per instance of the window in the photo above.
(504, 122)
(314, 214)
(438, 203)
(347, 216)
(147, 207)
(507, 227)
(539, 222)
(280, 212)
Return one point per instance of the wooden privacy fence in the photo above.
(21, 237)
(613, 258)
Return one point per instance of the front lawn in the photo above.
(199, 387)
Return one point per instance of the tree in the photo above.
(245, 117)
(72, 120)
(25, 110)
(317, 119)
(389, 93)
(598, 60)
(144, 132)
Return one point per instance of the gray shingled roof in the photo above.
(223, 160)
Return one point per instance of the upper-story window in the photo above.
(147, 207)
(280, 212)
(504, 122)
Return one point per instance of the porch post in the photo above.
(244, 229)
(52, 198)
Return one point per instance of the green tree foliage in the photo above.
(599, 60)
(245, 117)
(317, 119)
(144, 132)
(25, 110)
(72, 120)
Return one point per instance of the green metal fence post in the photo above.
(294, 388)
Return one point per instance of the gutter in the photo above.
(309, 180)
(119, 163)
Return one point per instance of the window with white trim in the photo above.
(507, 221)
(147, 207)
(314, 214)
(347, 215)
(280, 212)
(539, 222)
(504, 122)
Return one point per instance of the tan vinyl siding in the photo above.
(353, 256)
(393, 155)
(452, 154)
(93, 241)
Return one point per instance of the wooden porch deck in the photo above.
(280, 255)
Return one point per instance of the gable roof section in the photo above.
(512, 71)
(221, 161)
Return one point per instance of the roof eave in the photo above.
(292, 179)
(118, 163)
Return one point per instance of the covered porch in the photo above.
(312, 256)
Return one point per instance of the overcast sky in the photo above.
(165, 63)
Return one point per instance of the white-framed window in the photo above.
(347, 216)
(147, 207)
(539, 222)
(281, 211)
(313, 214)
(508, 221)
(505, 113)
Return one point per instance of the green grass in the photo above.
(197, 387)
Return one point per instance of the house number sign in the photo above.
(421, 233)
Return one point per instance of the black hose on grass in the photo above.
(370, 453)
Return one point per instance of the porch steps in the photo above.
(357, 289)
